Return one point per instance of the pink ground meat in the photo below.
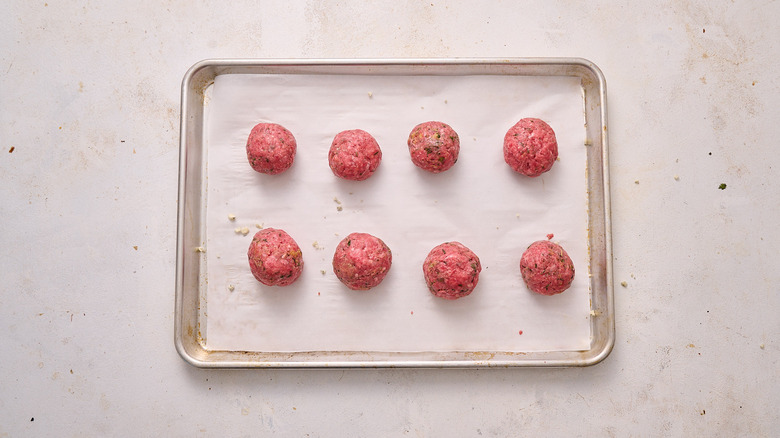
(434, 146)
(274, 258)
(451, 270)
(546, 268)
(354, 155)
(361, 261)
(270, 148)
(530, 147)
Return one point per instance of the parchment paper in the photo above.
(480, 202)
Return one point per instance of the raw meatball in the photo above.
(361, 261)
(451, 270)
(434, 146)
(530, 147)
(274, 258)
(354, 155)
(546, 268)
(270, 148)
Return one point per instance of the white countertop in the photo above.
(89, 107)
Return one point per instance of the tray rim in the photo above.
(196, 355)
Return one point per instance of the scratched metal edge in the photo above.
(190, 345)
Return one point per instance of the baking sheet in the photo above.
(479, 202)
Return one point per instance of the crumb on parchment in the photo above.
(242, 230)
(259, 226)
(231, 217)
(339, 208)
(231, 288)
(200, 249)
(624, 284)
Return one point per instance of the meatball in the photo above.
(274, 258)
(451, 270)
(354, 155)
(546, 268)
(530, 147)
(270, 148)
(361, 261)
(434, 146)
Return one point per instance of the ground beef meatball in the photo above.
(434, 146)
(530, 147)
(354, 155)
(361, 261)
(270, 148)
(546, 268)
(274, 258)
(451, 270)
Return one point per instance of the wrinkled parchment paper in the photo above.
(480, 202)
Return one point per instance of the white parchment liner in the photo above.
(480, 202)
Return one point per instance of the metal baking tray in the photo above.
(191, 269)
